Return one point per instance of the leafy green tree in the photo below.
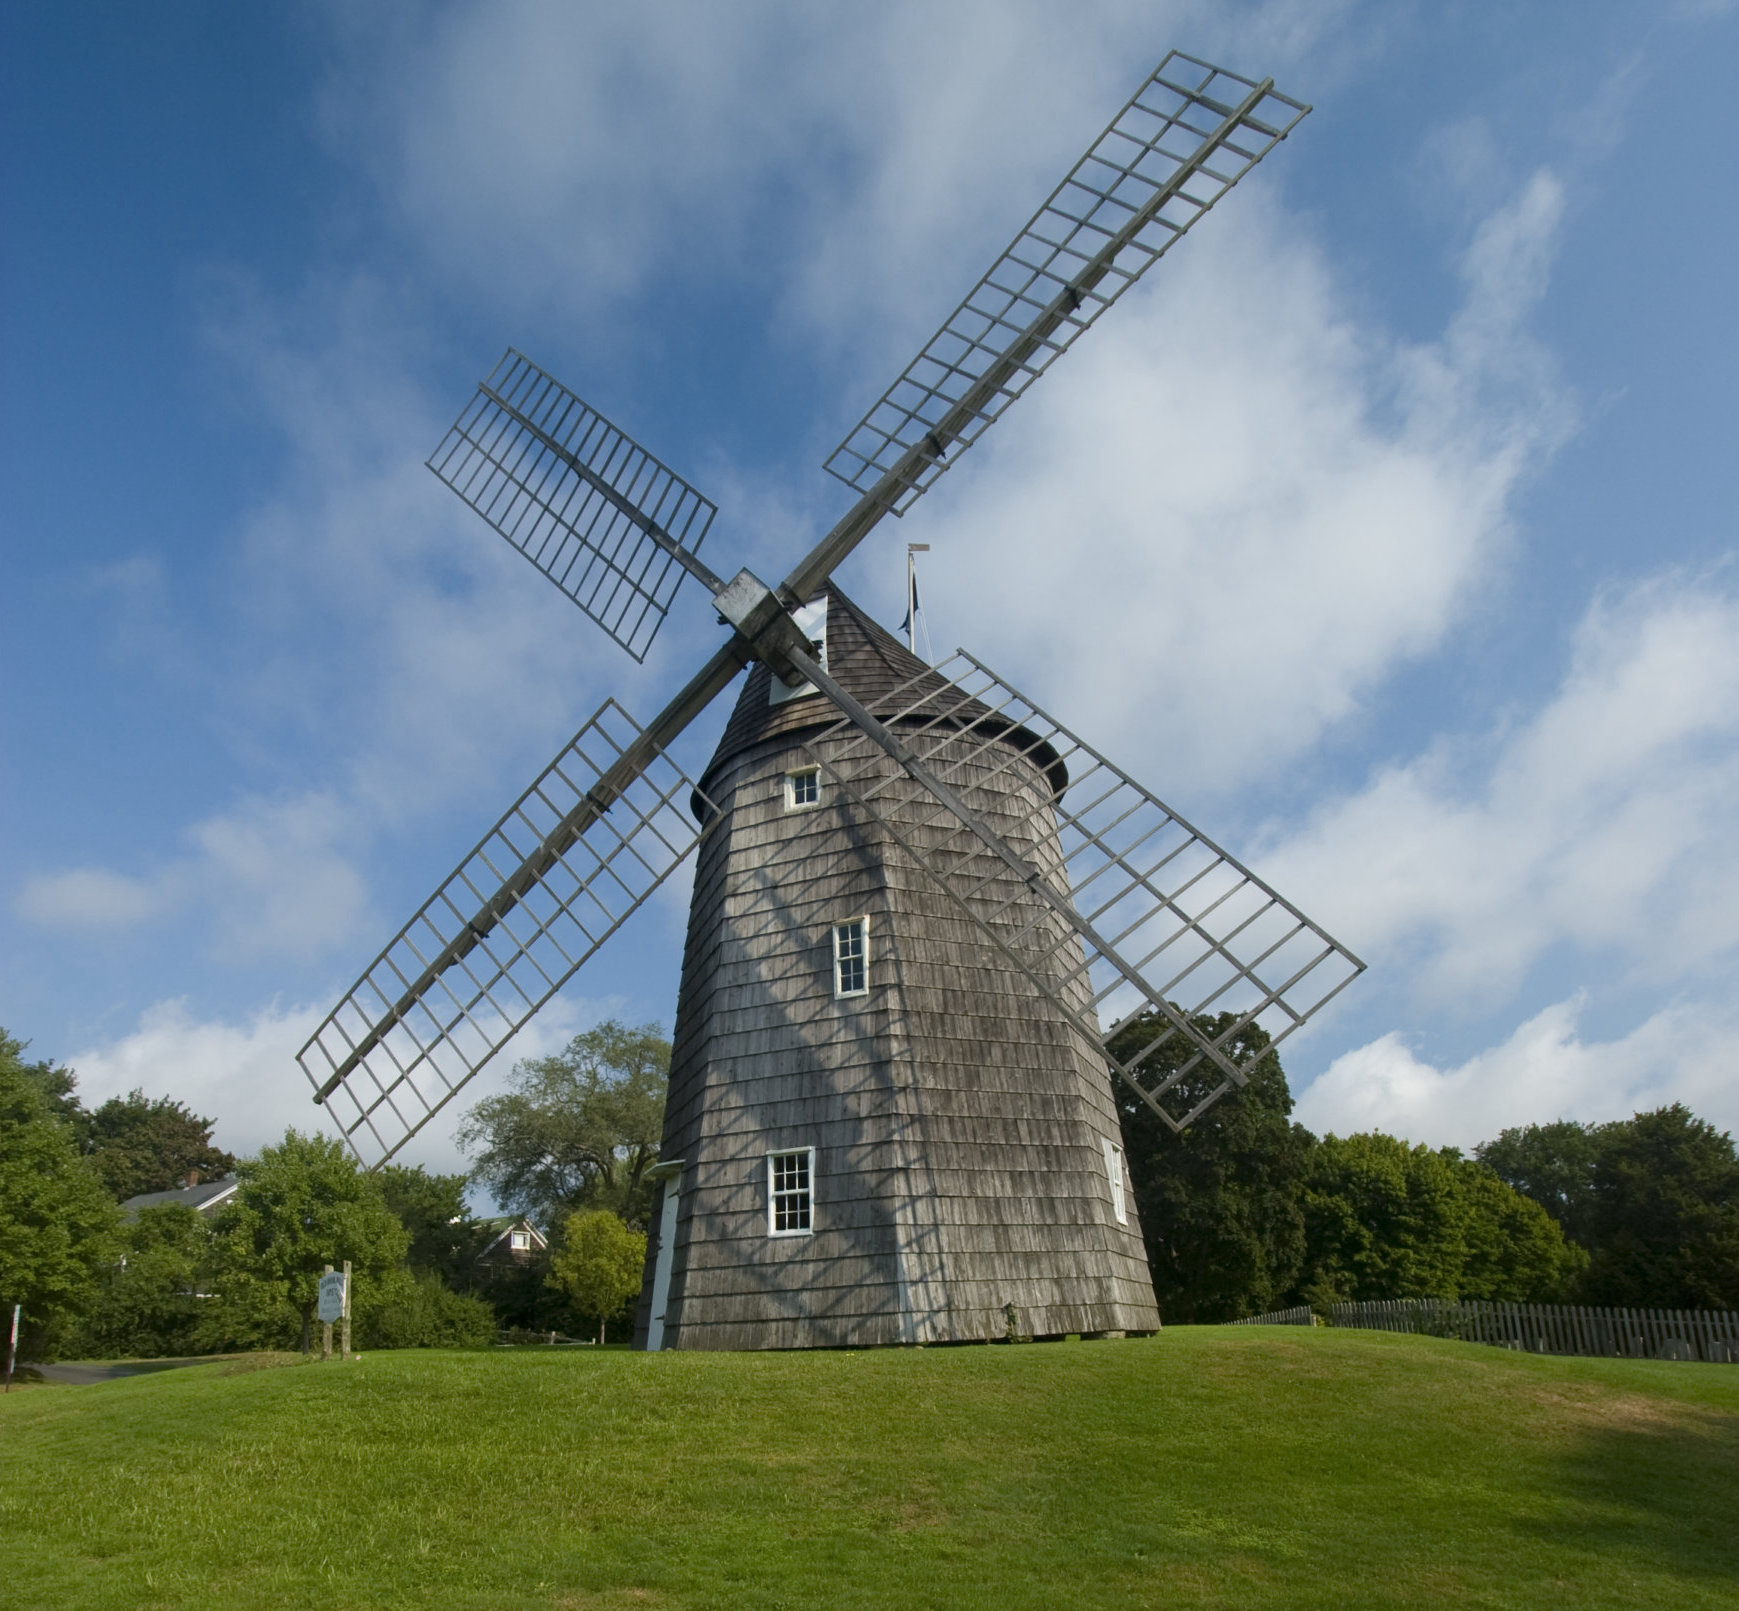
(1554, 1165)
(142, 1144)
(1381, 1221)
(1218, 1203)
(57, 1083)
(432, 1208)
(301, 1206)
(58, 1226)
(415, 1309)
(147, 1302)
(1384, 1219)
(1515, 1251)
(576, 1130)
(599, 1264)
(1664, 1223)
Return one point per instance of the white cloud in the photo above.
(1213, 535)
(90, 898)
(1603, 822)
(272, 877)
(244, 1074)
(858, 165)
(1544, 1071)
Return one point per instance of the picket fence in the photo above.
(1552, 1328)
(1303, 1315)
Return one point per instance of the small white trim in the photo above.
(1114, 1176)
(792, 803)
(809, 1191)
(840, 993)
(670, 1172)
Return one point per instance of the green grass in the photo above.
(1247, 1467)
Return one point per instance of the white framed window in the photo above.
(1114, 1174)
(519, 1241)
(791, 1192)
(803, 789)
(851, 957)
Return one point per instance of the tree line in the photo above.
(1247, 1211)
(570, 1142)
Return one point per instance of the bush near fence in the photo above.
(1553, 1328)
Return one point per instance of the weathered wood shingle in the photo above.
(957, 1119)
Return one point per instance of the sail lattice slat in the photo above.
(1157, 918)
(576, 496)
(575, 856)
(1189, 134)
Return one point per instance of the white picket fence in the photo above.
(1552, 1328)
(1300, 1316)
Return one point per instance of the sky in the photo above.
(1386, 530)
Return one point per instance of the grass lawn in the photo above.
(1243, 1467)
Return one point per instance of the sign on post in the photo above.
(331, 1296)
(334, 1304)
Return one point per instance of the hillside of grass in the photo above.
(1243, 1467)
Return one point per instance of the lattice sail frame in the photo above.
(548, 885)
(1192, 127)
(578, 497)
(1166, 920)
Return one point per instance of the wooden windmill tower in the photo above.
(922, 906)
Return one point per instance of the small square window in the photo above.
(851, 957)
(803, 789)
(1114, 1174)
(790, 1201)
(519, 1241)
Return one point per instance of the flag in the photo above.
(912, 605)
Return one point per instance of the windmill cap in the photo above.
(870, 663)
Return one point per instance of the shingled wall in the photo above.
(957, 1119)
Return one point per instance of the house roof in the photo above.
(206, 1197)
(504, 1225)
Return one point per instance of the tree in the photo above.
(577, 1130)
(56, 1082)
(57, 1225)
(1384, 1219)
(1218, 1202)
(1515, 1251)
(141, 1144)
(147, 1302)
(301, 1206)
(433, 1210)
(1664, 1221)
(414, 1309)
(599, 1264)
(1554, 1165)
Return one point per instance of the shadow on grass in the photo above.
(1652, 1487)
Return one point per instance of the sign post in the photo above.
(12, 1347)
(347, 1311)
(334, 1304)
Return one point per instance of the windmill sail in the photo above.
(1189, 134)
(576, 855)
(610, 525)
(1155, 916)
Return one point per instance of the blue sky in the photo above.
(1386, 531)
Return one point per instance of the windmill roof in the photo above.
(870, 663)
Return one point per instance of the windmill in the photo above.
(922, 906)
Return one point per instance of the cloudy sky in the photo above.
(1387, 530)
